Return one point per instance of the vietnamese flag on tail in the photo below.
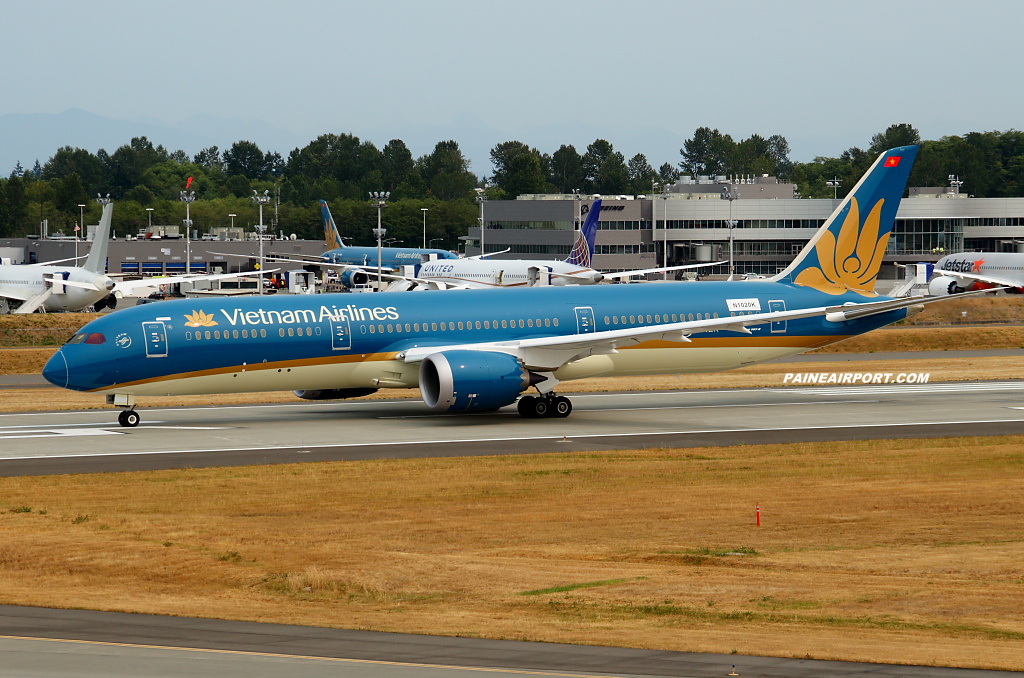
(892, 161)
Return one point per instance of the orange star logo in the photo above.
(977, 266)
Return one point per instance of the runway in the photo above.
(115, 645)
(91, 441)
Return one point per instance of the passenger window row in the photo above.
(228, 334)
(655, 319)
(467, 325)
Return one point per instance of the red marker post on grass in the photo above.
(757, 505)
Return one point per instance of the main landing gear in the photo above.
(128, 418)
(548, 405)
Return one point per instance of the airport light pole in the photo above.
(730, 193)
(834, 185)
(188, 197)
(380, 201)
(81, 223)
(149, 212)
(424, 210)
(261, 200)
(481, 197)
(665, 230)
(433, 239)
(955, 183)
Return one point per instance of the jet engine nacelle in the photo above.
(334, 393)
(352, 277)
(468, 381)
(943, 286)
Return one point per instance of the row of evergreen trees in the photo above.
(342, 169)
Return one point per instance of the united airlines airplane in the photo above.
(483, 273)
(481, 351)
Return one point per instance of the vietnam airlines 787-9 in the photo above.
(472, 351)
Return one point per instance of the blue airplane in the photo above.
(480, 350)
(390, 257)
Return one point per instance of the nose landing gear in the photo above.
(128, 418)
(549, 405)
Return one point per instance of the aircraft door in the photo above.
(584, 320)
(156, 339)
(341, 335)
(776, 307)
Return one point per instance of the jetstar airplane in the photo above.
(958, 273)
(484, 351)
(72, 288)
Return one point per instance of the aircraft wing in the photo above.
(128, 285)
(317, 262)
(59, 261)
(550, 353)
(980, 278)
(437, 284)
(627, 274)
(489, 254)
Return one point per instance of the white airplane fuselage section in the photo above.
(491, 273)
(25, 282)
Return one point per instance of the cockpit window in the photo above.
(78, 338)
(96, 338)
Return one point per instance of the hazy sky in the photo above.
(824, 74)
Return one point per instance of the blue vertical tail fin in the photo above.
(330, 229)
(582, 253)
(846, 252)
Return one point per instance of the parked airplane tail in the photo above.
(582, 253)
(846, 252)
(96, 262)
(330, 229)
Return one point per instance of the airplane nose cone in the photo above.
(56, 370)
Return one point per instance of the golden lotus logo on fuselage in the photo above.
(200, 319)
(850, 262)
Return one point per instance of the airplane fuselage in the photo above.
(390, 257)
(487, 273)
(1007, 266)
(24, 282)
(340, 341)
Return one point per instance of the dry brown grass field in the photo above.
(882, 551)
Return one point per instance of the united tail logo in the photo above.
(582, 253)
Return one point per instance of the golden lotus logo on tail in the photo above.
(851, 261)
(200, 319)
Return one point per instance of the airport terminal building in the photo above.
(771, 224)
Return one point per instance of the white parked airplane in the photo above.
(71, 288)
(956, 273)
(482, 272)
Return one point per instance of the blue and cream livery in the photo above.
(481, 350)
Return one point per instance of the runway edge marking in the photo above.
(573, 437)
(278, 655)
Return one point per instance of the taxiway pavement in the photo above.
(40, 443)
(45, 642)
